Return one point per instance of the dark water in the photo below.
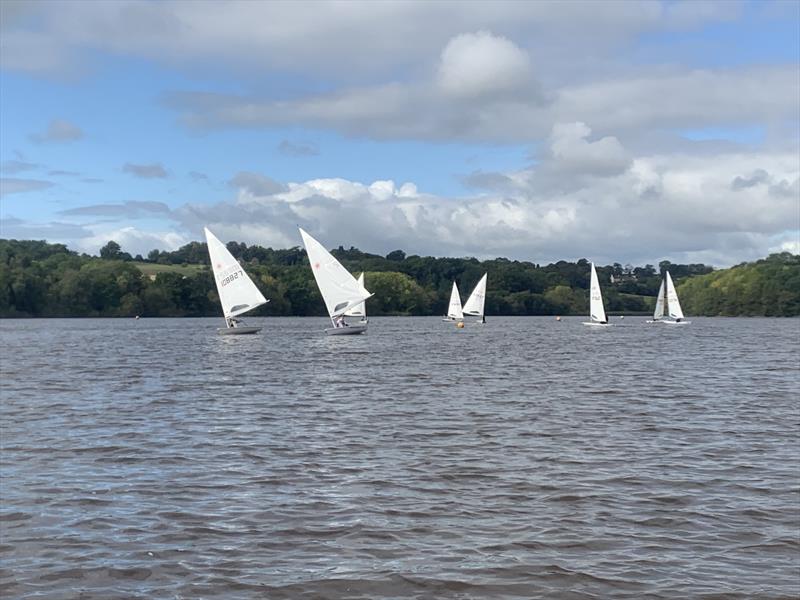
(523, 459)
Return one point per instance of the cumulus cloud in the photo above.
(482, 64)
(58, 130)
(132, 240)
(571, 149)
(661, 206)
(147, 171)
(12, 185)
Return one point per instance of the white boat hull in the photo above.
(347, 330)
(238, 330)
(595, 324)
(665, 322)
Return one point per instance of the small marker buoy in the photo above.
(558, 318)
(136, 317)
(460, 324)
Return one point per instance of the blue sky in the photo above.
(617, 131)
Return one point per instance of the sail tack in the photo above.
(475, 303)
(237, 292)
(338, 287)
(596, 310)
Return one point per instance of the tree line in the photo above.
(38, 279)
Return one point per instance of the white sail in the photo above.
(338, 287)
(477, 299)
(361, 309)
(237, 292)
(454, 311)
(596, 310)
(673, 305)
(659, 312)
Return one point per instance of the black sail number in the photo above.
(232, 277)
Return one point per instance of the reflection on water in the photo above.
(523, 458)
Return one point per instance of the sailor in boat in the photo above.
(233, 322)
(340, 322)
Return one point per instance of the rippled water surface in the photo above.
(524, 458)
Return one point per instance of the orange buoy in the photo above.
(460, 324)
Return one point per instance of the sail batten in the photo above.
(237, 292)
(475, 303)
(338, 287)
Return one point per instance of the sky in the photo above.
(630, 132)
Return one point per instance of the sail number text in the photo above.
(233, 276)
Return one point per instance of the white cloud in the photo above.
(572, 150)
(131, 240)
(482, 64)
(676, 207)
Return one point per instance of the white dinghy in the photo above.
(338, 287)
(237, 292)
(674, 309)
(454, 310)
(476, 301)
(668, 303)
(361, 309)
(597, 314)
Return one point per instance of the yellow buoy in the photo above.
(460, 324)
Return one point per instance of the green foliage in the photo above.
(768, 287)
(41, 279)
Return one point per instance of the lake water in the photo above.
(524, 458)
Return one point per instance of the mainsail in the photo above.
(454, 311)
(596, 310)
(338, 287)
(673, 305)
(237, 293)
(475, 302)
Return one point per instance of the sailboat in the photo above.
(474, 304)
(674, 309)
(454, 310)
(667, 300)
(237, 292)
(597, 313)
(338, 287)
(361, 309)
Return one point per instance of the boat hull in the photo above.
(238, 330)
(593, 324)
(348, 330)
(676, 322)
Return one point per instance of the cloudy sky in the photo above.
(616, 131)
